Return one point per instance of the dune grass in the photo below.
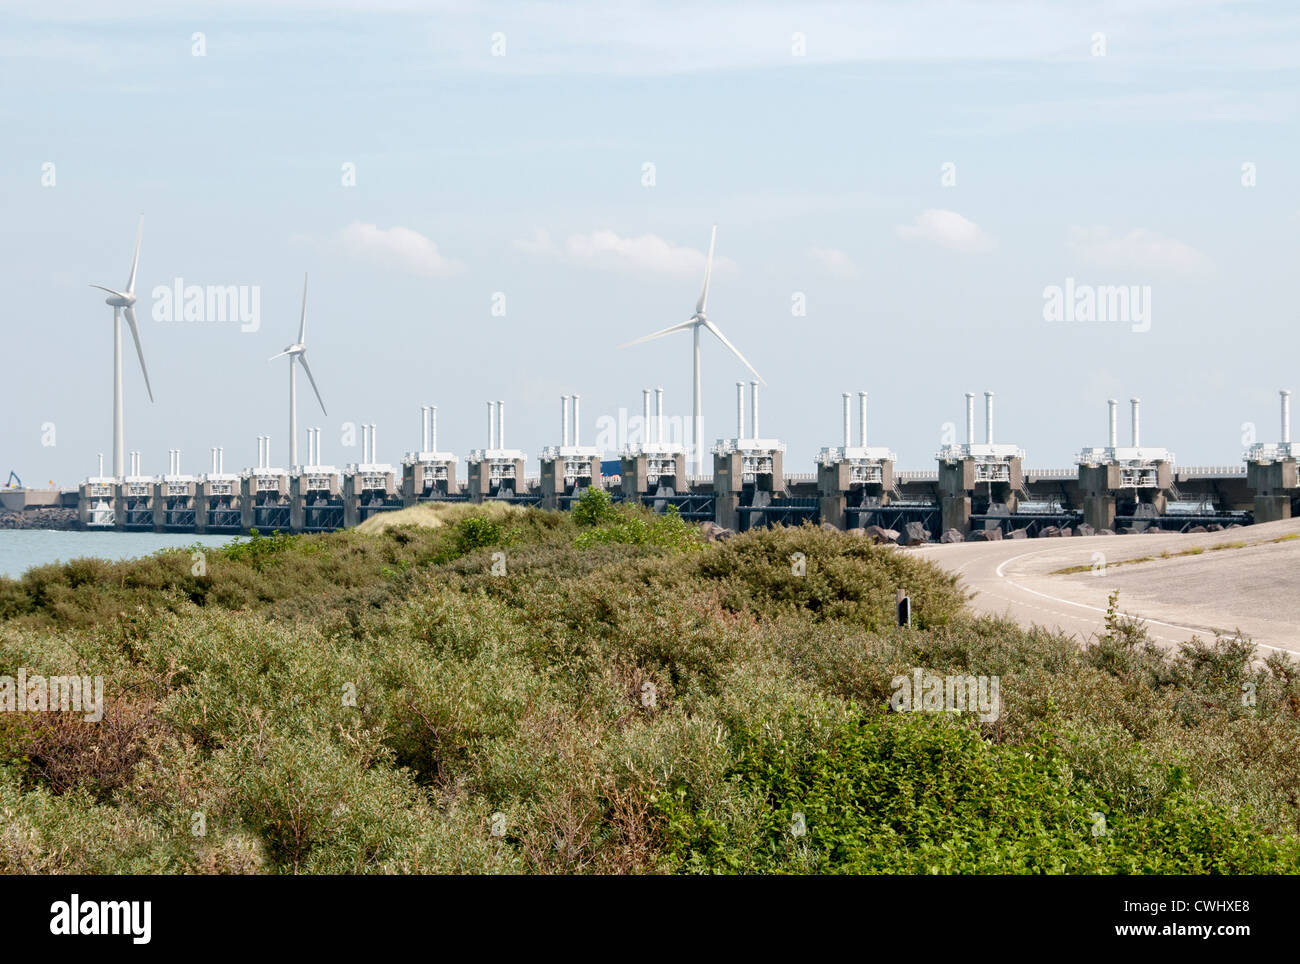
(1193, 551)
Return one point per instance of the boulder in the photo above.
(40, 517)
(827, 527)
(713, 532)
(878, 534)
(1214, 527)
(1105, 532)
(986, 535)
(1018, 534)
(1083, 529)
(914, 534)
(952, 535)
(1197, 529)
(1049, 532)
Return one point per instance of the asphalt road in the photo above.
(1252, 588)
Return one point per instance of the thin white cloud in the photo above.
(591, 36)
(397, 247)
(547, 36)
(1139, 248)
(835, 261)
(647, 253)
(947, 228)
(539, 245)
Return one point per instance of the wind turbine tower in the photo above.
(694, 324)
(123, 302)
(297, 353)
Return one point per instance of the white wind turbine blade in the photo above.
(139, 350)
(684, 326)
(281, 355)
(135, 259)
(734, 350)
(302, 357)
(708, 270)
(302, 322)
(120, 294)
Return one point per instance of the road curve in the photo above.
(1245, 579)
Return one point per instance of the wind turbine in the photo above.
(297, 352)
(124, 301)
(694, 324)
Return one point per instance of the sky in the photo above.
(491, 199)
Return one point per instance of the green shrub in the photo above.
(637, 526)
(827, 575)
(594, 508)
(477, 532)
(622, 698)
(920, 795)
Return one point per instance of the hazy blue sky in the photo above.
(522, 174)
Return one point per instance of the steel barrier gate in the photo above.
(698, 507)
(322, 518)
(178, 519)
(271, 518)
(787, 512)
(139, 519)
(225, 520)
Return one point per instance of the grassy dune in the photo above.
(600, 691)
(435, 515)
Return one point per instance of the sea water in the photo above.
(20, 549)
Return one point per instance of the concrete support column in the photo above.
(1275, 485)
(632, 476)
(727, 486)
(413, 475)
(552, 479)
(84, 505)
(159, 506)
(351, 501)
(1159, 498)
(832, 488)
(1272, 508)
(1099, 511)
(956, 483)
(478, 481)
(955, 513)
(247, 498)
(297, 505)
(727, 510)
(1097, 484)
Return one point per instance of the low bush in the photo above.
(618, 696)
